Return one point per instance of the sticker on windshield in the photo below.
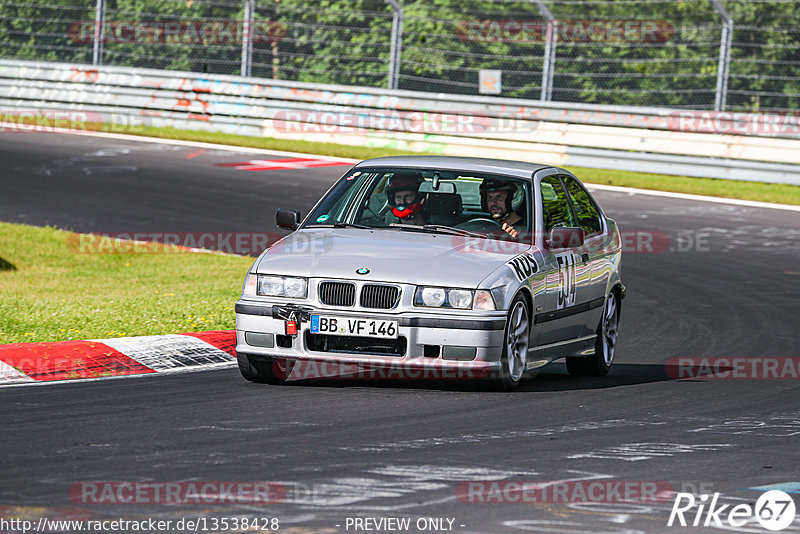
(323, 218)
(354, 175)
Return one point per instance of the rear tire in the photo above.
(605, 345)
(262, 370)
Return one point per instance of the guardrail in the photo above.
(754, 147)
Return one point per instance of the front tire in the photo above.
(262, 370)
(514, 359)
(605, 345)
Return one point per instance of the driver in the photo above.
(402, 192)
(496, 196)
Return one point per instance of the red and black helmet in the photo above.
(405, 181)
(490, 184)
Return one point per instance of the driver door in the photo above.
(568, 278)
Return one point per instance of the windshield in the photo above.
(427, 200)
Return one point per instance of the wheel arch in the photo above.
(526, 293)
(619, 291)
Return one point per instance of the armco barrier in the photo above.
(565, 134)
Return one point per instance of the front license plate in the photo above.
(353, 326)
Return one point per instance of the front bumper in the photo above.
(432, 341)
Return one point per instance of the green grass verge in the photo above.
(779, 193)
(50, 292)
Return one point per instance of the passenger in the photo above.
(404, 197)
(496, 199)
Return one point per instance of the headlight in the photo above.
(297, 288)
(282, 286)
(460, 298)
(432, 296)
(440, 297)
(271, 286)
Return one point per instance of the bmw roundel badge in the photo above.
(362, 270)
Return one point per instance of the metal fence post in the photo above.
(99, 32)
(723, 68)
(247, 36)
(397, 43)
(549, 61)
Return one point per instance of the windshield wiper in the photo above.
(439, 228)
(343, 225)
(451, 229)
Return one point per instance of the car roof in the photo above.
(518, 169)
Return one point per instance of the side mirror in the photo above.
(287, 219)
(559, 238)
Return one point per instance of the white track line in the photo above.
(232, 148)
(200, 144)
(686, 196)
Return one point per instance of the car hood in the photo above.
(390, 255)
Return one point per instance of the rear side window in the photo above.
(585, 209)
(555, 206)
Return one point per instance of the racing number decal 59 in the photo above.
(566, 281)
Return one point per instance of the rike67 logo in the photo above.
(774, 510)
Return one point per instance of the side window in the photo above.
(376, 205)
(555, 207)
(334, 207)
(585, 209)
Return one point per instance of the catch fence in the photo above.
(689, 54)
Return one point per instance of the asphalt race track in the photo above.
(725, 283)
